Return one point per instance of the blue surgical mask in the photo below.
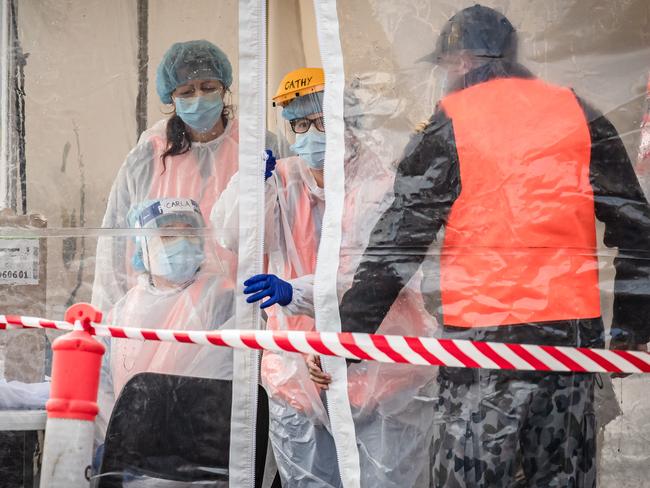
(310, 146)
(200, 113)
(178, 261)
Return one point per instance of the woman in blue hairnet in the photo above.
(192, 154)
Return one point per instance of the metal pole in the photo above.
(17, 158)
(18, 62)
(5, 55)
(143, 66)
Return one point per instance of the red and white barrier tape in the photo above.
(382, 348)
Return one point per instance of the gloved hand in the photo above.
(270, 164)
(268, 285)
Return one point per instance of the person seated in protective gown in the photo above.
(173, 291)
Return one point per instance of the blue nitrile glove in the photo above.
(270, 164)
(268, 285)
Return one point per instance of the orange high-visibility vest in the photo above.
(520, 239)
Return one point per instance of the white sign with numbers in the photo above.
(19, 260)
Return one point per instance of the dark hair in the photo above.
(178, 139)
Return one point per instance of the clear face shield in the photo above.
(175, 252)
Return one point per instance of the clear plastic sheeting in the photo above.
(490, 179)
(126, 116)
(455, 170)
(168, 273)
(299, 431)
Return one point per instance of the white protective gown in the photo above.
(390, 404)
(201, 174)
(299, 427)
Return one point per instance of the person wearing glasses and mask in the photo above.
(192, 153)
(295, 203)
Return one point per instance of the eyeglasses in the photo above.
(300, 126)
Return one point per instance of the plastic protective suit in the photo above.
(299, 427)
(517, 170)
(200, 174)
(390, 404)
(382, 397)
(303, 447)
(205, 304)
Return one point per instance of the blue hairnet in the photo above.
(191, 60)
(303, 106)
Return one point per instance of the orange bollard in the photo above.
(72, 407)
